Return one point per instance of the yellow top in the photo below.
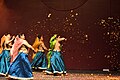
(35, 46)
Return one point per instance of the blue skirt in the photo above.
(20, 68)
(4, 61)
(57, 63)
(39, 61)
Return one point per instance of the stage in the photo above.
(77, 75)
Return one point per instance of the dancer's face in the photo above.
(8, 36)
(55, 35)
(41, 38)
(22, 36)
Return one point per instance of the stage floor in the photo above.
(81, 75)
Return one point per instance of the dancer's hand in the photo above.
(49, 49)
(65, 39)
(35, 51)
(13, 37)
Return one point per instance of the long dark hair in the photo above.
(39, 36)
(20, 34)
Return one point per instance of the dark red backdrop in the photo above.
(74, 19)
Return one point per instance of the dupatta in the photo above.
(15, 48)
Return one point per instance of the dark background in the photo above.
(92, 28)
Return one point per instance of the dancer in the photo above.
(52, 44)
(20, 67)
(39, 59)
(55, 59)
(6, 45)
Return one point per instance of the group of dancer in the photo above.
(14, 62)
